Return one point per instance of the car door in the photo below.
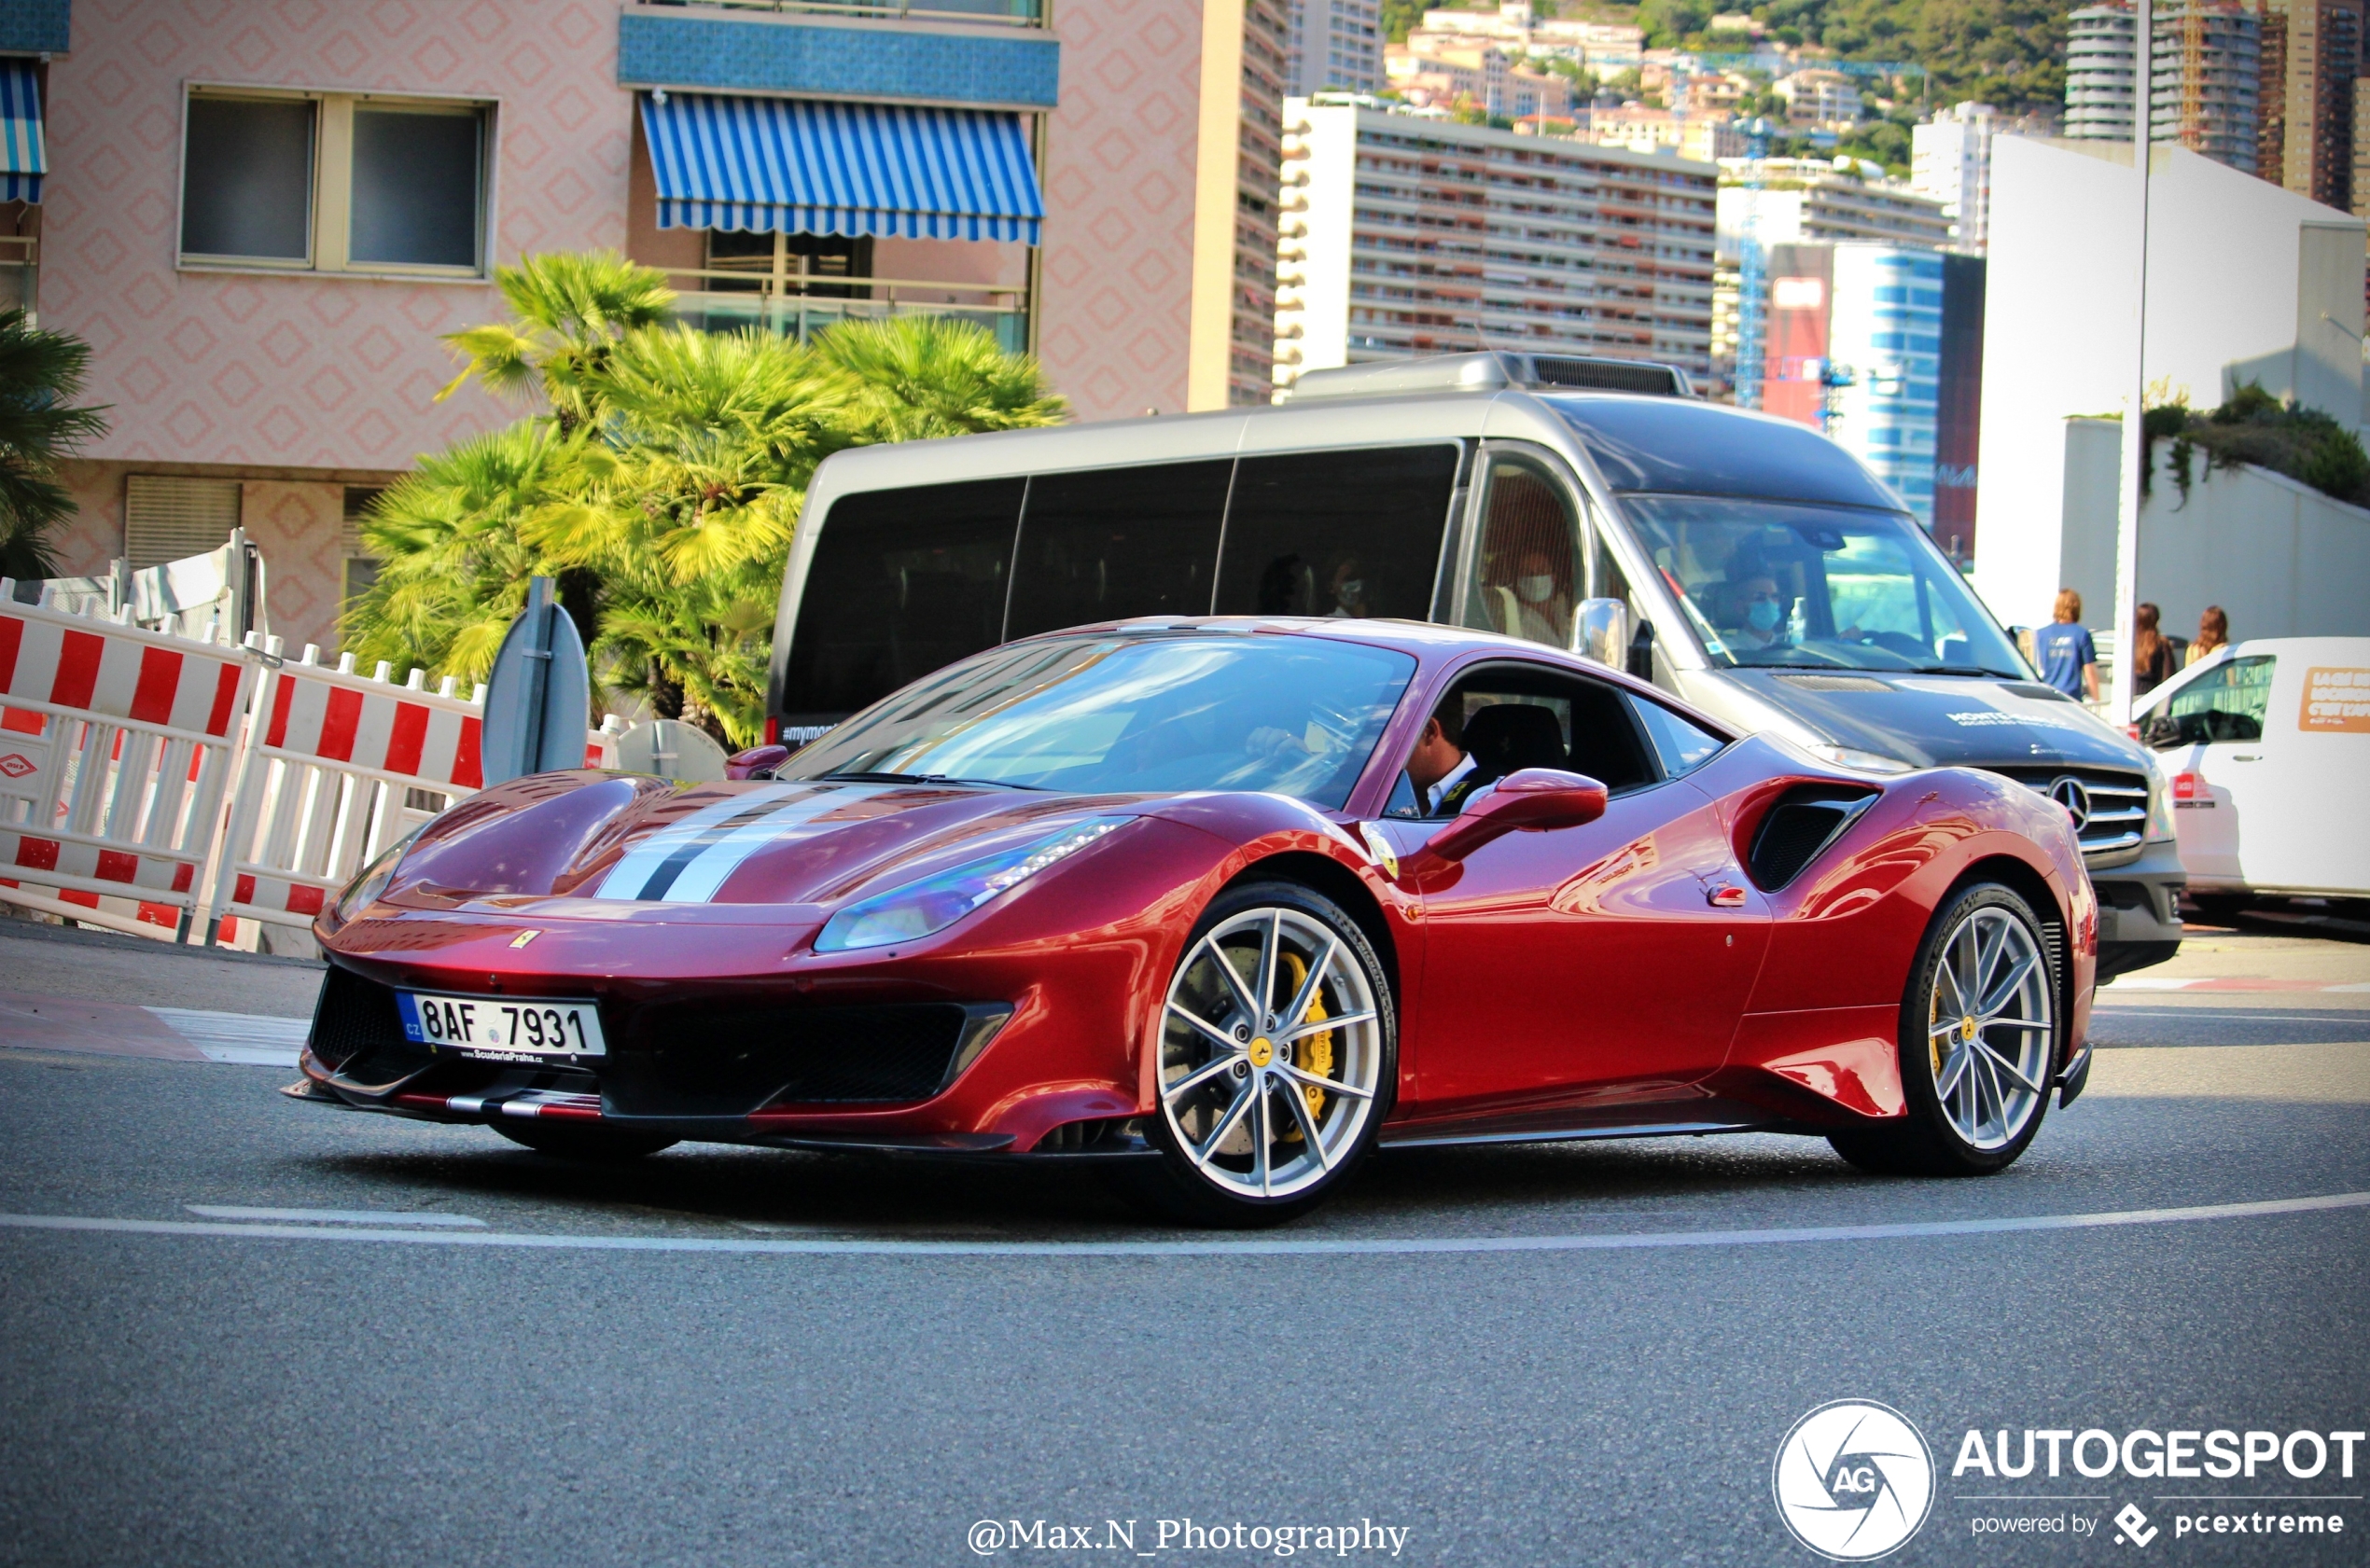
(2210, 737)
(1589, 967)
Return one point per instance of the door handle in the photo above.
(1726, 897)
(2251, 756)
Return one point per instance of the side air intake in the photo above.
(1804, 822)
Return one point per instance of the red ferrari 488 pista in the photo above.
(1226, 904)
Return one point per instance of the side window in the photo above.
(901, 582)
(1336, 532)
(1681, 744)
(1114, 543)
(1512, 718)
(2227, 703)
(1526, 577)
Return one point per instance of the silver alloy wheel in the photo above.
(1271, 1048)
(1989, 1028)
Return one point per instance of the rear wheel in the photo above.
(1278, 1048)
(603, 1145)
(1978, 1031)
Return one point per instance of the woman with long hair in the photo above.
(2213, 633)
(2152, 662)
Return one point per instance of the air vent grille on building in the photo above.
(171, 518)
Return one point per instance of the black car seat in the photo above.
(1507, 737)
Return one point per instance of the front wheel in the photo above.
(1279, 1049)
(1978, 1032)
(600, 1146)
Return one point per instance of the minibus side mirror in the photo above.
(1604, 632)
(1641, 651)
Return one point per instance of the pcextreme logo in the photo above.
(1853, 1480)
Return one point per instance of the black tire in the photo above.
(598, 1146)
(1928, 1141)
(1176, 1187)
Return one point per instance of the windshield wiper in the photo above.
(1961, 670)
(865, 777)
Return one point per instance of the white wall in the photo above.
(2240, 273)
(1326, 154)
(2282, 558)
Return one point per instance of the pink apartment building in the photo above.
(261, 215)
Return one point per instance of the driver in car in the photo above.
(1445, 776)
(1765, 614)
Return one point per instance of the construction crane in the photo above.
(1750, 270)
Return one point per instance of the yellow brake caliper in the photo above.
(1315, 1055)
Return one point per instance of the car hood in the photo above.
(1943, 721)
(623, 841)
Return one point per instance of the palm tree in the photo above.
(664, 489)
(40, 375)
(569, 310)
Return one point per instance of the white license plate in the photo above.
(501, 1025)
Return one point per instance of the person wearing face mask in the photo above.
(1764, 618)
(1539, 612)
(1349, 591)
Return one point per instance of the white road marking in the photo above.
(331, 1216)
(241, 1039)
(1268, 1246)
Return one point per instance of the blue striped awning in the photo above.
(23, 157)
(807, 166)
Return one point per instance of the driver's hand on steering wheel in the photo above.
(1268, 740)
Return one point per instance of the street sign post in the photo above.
(538, 700)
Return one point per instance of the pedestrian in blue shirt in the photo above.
(2064, 651)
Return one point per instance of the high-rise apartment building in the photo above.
(2101, 64)
(1336, 45)
(1950, 161)
(1407, 235)
(2205, 67)
(1807, 199)
(1869, 343)
(2311, 53)
(1228, 360)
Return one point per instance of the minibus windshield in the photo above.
(1771, 583)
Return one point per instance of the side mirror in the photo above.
(758, 762)
(1604, 630)
(1534, 801)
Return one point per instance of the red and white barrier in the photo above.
(336, 767)
(179, 788)
(115, 750)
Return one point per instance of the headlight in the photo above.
(932, 904)
(2159, 808)
(1866, 761)
(365, 888)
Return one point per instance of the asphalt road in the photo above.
(736, 1356)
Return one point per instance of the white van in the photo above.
(1745, 563)
(2266, 746)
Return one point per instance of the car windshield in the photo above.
(1768, 583)
(1119, 713)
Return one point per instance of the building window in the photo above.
(172, 518)
(361, 568)
(334, 183)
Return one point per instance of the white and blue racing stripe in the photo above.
(698, 879)
(630, 875)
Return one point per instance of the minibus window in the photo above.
(1526, 577)
(1114, 543)
(1336, 532)
(903, 581)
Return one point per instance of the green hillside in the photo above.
(2008, 53)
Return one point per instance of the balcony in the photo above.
(788, 304)
(987, 54)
